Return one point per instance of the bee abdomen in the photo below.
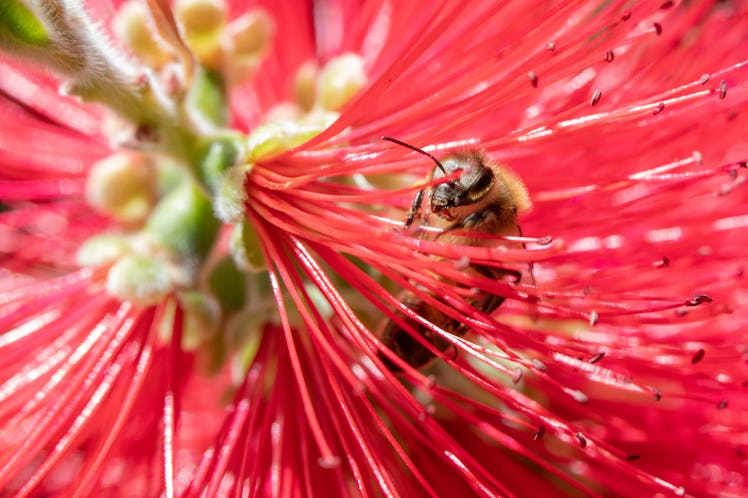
(410, 349)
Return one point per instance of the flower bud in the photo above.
(20, 23)
(201, 18)
(201, 318)
(250, 34)
(102, 250)
(230, 194)
(228, 284)
(141, 280)
(203, 22)
(122, 186)
(305, 85)
(134, 27)
(183, 222)
(340, 80)
(278, 136)
(246, 248)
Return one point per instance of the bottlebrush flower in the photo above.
(201, 252)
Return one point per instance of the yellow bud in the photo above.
(122, 186)
(339, 81)
(134, 27)
(305, 85)
(201, 17)
(250, 34)
(203, 22)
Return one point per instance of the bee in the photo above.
(483, 200)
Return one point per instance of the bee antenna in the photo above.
(416, 149)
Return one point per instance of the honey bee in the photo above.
(484, 199)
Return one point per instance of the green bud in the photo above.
(102, 250)
(279, 136)
(184, 222)
(207, 95)
(230, 194)
(18, 23)
(201, 318)
(217, 155)
(246, 248)
(139, 279)
(228, 285)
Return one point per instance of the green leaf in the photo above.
(17, 21)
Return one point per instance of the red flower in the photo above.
(594, 346)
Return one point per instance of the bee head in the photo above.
(473, 185)
(478, 182)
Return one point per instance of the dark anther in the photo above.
(663, 263)
(540, 433)
(704, 79)
(597, 357)
(539, 365)
(594, 318)
(698, 356)
(517, 376)
(699, 299)
(722, 404)
(659, 108)
(544, 241)
(626, 16)
(609, 56)
(657, 394)
(582, 439)
(533, 79)
(722, 89)
(658, 28)
(596, 97)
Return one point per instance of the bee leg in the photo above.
(414, 208)
(472, 220)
